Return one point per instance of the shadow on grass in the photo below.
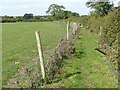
(64, 77)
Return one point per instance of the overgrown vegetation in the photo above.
(86, 68)
(62, 51)
(108, 27)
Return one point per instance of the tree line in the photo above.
(26, 18)
(55, 12)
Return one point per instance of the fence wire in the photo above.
(30, 74)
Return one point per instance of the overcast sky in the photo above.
(39, 7)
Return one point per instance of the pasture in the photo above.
(19, 43)
(85, 68)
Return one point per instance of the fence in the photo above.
(39, 71)
(65, 46)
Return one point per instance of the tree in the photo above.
(101, 7)
(56, 10)
(68, 14)
(75, 14)
(8, 19)
(28, 17)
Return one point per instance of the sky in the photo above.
(39, 7)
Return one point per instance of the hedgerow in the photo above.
(109, 26)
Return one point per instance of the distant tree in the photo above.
(75, 14)
(68, 14)
(8, 19)
(28, 17)
(101, 7)
(56, 11)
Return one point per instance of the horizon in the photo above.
(19, 8)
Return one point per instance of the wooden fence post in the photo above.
(74, 26)
(100, 35)
(67, 30)
(40, 54)
(100, 31)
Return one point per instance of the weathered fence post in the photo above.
(100, 35)
(74, 26)
(67, 30)
(100, 31)
(40, 54)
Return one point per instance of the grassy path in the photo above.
(87, 68)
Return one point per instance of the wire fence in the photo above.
(30, 75)
(64, 46)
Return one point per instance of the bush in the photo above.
(109, 38)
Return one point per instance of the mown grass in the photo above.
(87, 67)
(19, 43)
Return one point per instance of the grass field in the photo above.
(86, 68)
(0, 55)
(19, 43)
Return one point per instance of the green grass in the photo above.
(19, 43)
(86, 68)
(0, 55)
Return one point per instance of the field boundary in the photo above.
(30, 75)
